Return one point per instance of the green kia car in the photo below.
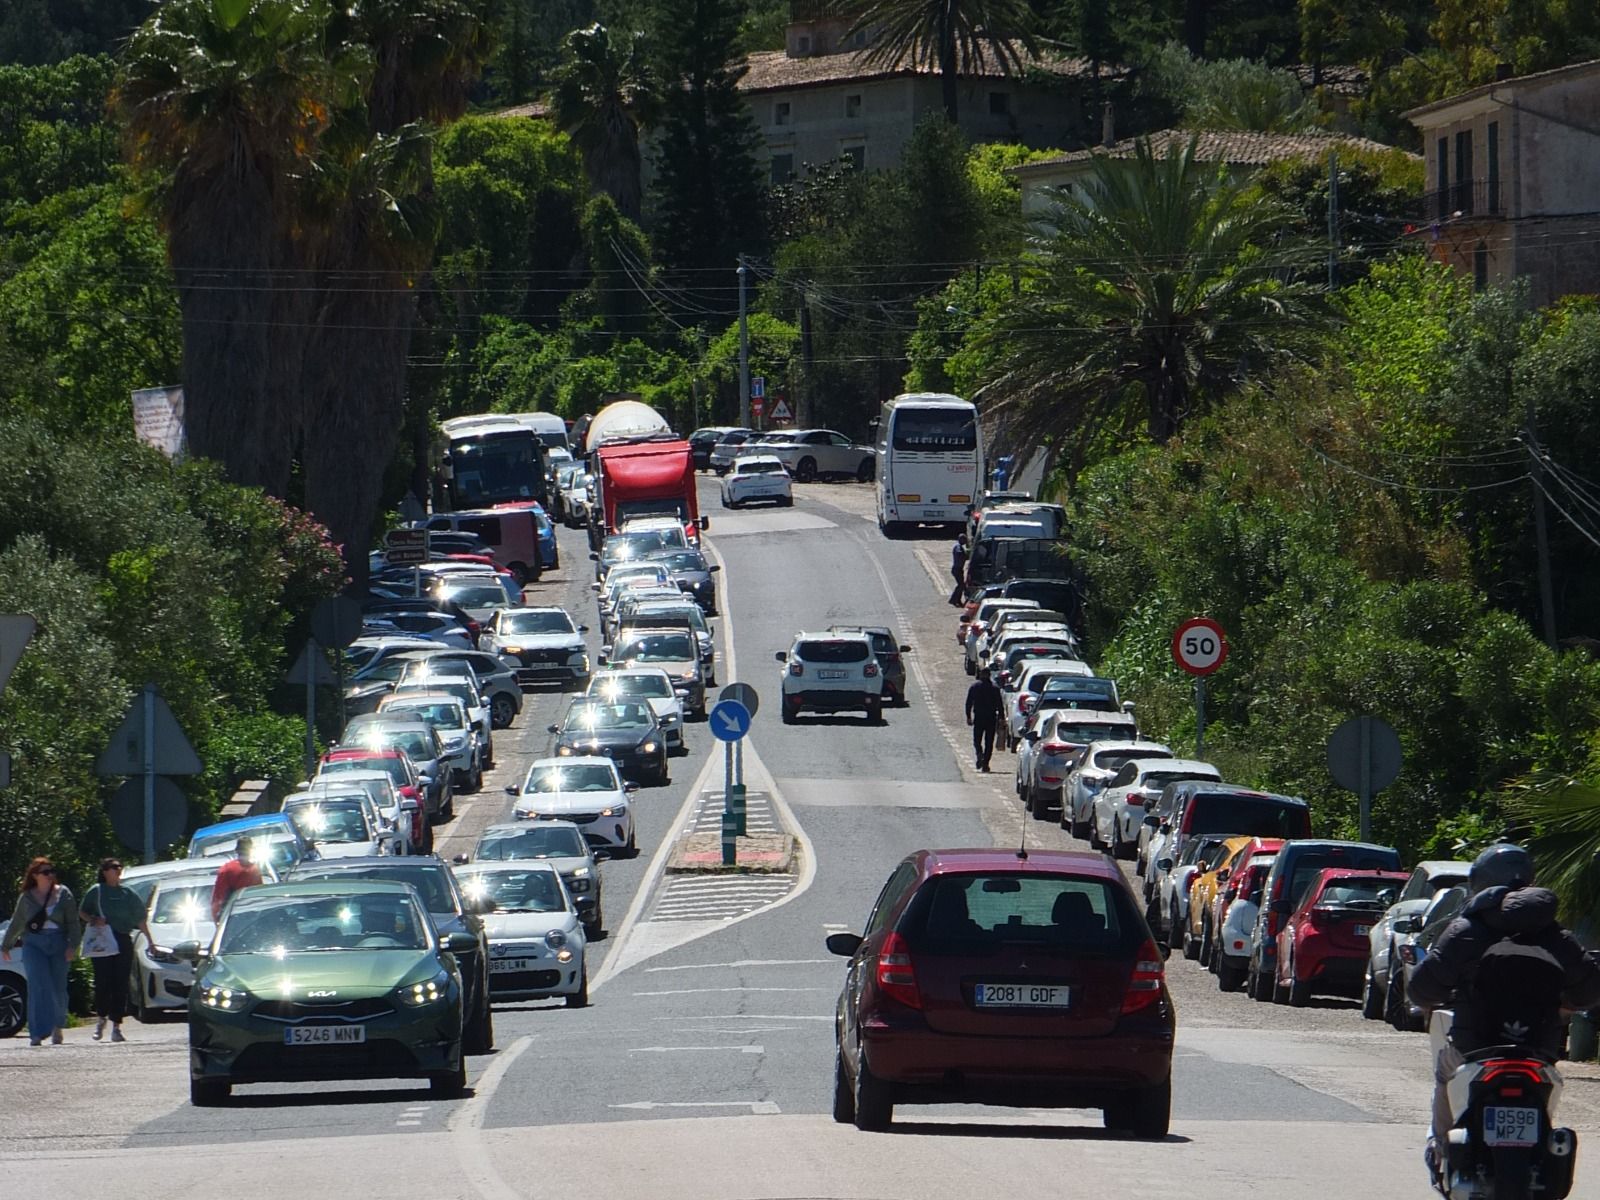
(334, 979)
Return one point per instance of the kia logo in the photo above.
(322, 993)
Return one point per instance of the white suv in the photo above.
(831, 672)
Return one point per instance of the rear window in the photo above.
(964, 914)
(1359, 891)
(760, 468)
(1082, 733)
(1258, 816)
(1306, 867)
(833, 652)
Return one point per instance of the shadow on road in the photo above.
(310, 1099)
(1057, 1133)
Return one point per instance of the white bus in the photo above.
(930, 461)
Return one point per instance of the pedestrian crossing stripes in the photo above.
(758, 814)
(718, 897)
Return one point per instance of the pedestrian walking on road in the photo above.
(240, 871)
(45, 924)
(983, 714)
(111, 908)
(958, 569)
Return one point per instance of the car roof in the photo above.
(355, 887)
(346, 753)
(1177, 764)
(512, 610)
(625, 671)
(368, 860)
(581, 760)
(828, 635)
(747, 459)
(1302, 845)
(1133, 743)
(961, 861)
(1428, 866)
(879, 629)
(242, 825)
(1349, 872)
(166, 867)
(402, 698)
(489, 866)
(191, 878)
(509, 827)
(1238, 789)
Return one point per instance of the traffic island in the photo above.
(700, 853)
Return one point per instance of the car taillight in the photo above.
(897, 977)
(797, 668)
(870, 670)
(1144, 986)
(410, 792)
(1026, 703)
(1049, 778)
(473, 627)
(1056, 748)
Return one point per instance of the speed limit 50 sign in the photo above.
(1199, 646)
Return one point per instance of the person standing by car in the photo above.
(983, 714)
(45, 924)
(240, 871)
(958, 568)
(110, 905)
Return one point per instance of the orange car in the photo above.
(1210, 891)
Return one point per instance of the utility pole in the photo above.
(1333, 221)
(744, 350)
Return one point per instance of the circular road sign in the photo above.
(1199, 646)
(1367, 739)
(126, 810)
(742, 693)
(729, 721)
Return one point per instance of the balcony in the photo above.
(1480, 198)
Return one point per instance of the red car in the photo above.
(400, 769)
(1323, 946)
(996, 977)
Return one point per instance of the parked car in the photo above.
(822, 453)
(1237, 922)
(536, 941)
(703, 440)
(562, 845)
(972, 625)
(13, 993)
(993, 977)
(1169, 909)
(1119, 806)
(758, 477)
(889, 651)
(496, 675)
(1322, 947)
(1020, 694)
(1427, 880)
(725, 450)
(830, 672)
(1096, 767)
(159, 981)
(1295, 869)
(1415, 936)
(1052, 742)
(1201, 807)
(1212, 892)
(589, 792)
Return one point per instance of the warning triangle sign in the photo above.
(780, 410)
(170, 749)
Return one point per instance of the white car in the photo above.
(831, 672)
(1101, 761)
(759, 477)
(463, 749)
(1052, 742)
(400, 813)
(340, 826)
(13, 992)
(536, 941)
(983, 619)
(179, 911)
(541, 644)
(575, 500)
(813, 453)
(1003, 631)
(1428, 879)
(1040, 641)
(1236, 939)
(587, 790)
(1120, 808)
(1020, 693)
(460, 682)
(650, 684)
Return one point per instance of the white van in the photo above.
(511, 534)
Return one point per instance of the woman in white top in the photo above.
(45, 924)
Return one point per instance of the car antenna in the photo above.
(1022, 846)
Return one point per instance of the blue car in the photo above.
(278, 843)
(549, 552)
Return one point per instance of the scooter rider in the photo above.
(1503, 906)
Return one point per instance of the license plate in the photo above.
(931, 513)
(1020, 995)
(1510, 1126)
(510, 964)
(324, 1035)
(832, 674)
(1363, 930)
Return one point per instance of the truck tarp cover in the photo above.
(653, 467)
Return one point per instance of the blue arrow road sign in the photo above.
(730, 721)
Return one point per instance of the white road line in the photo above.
(743, 962)
(747, 1017)
(760, 1108)
(466, 1123)
(738, 990)
(694, 1049)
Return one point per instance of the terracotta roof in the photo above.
(1576, 69)
(774, 70)
(538, 110)
(1238, 147)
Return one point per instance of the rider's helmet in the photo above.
(1503, 864)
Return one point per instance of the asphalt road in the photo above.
(703, 1067)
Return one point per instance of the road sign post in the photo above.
(150, 743)
(1199, 646)
(730, 721)
(1364, 757)
(406, 547)
(311, 670)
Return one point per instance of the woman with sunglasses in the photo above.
(108, 903)
(46, 925)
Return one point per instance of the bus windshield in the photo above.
(491, 468)
(949, 429)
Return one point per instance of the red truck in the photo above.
(641, 469)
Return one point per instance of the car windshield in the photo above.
(517, 891)
(429, 878)
(584, 717)
(1066, 693)
(182, 904)
(535, 622)
(532, 841)
(658, 647)
(645, 686)
(673, 615)
(330, 820)
(435, 712)
(1260, 816)
(461, 689)
(392, 767)
(935, 429)
(475, 595)
(667, 507)
(1081, 733)
(685, 561)
(1111, 760)
(280, 925)
(578, 777)
(843, 651)
(963, 914)
(413, 743)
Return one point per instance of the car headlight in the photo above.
(226, 999)
(578, 659)
(648, 748)
(580, 873)
(161, 954)
(429, 991)
(555, 939)
(578, 887)
(563, 750)
(616, 810)
(508, 648)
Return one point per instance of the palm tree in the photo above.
(1158, 286)
(222, 102)
(1565, 815)
(950, 36)
(603, 97)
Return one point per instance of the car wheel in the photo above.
(1146, 1113)
(663, 775)
(1278, 990)
(447, 810)
(1207, 957)
(580, 998)
(786, 502)
(1094, 834)
(867, 471)
(1371, 997)
(1175, 931)
(874, 1104)
(1259, 984)
(1299, 992)
(1080, 829)
(477, 777)
(1394, 1000)
(1191, 944)
(479, 1037)
(1229, 979)
(448, 1084)
(209, 1093)
(632, 848)
(844, 1101)
(488, 752)
(875, 712)
(806, 469)
(502, 711)
(790, 712)
(13, 1007)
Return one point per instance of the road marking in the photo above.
(694, 1049)
(462, 808)
(748, 1017)
(760, 1108)
(743, 962)
(466, 1123)
(739, 990)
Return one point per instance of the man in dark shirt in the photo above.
(238, 872)
(983, 714)
(958, 568)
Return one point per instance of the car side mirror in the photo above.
(779, 656)
(844, 945)
(905, 649)
(705, 522)
(594, 555)
(1255, 897)
(460, 943)
(459, 860)
(583, 629)
(713, 569)
(594, 587)
(1033, 735)
(1222, 875)
(511, 789)
(409, 806)
(553, 728)
(1163, 864)
(630, 788)
(1408, 924)
(188, 951)
(1127, 706)
(1282, 908)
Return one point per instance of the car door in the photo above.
(835, 454)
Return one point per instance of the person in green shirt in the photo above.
(109, 903)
